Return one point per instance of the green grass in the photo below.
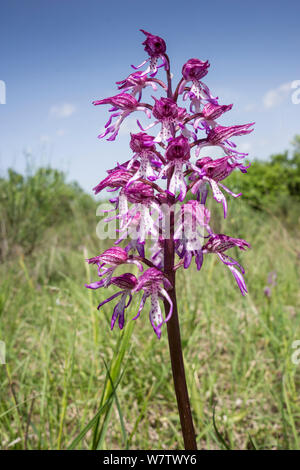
(237, 350)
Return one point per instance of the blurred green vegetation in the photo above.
(31, 204)
(272, 185)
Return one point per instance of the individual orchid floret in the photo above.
(195, 69)
(218, 243)
(154, 284)
(143, 146)
(112, 257)
(214, 171)
(178, 154)
(136, 82)
(115, 180)
(219, 135)
(142, 197)
(210, 113)
(192, 71)
(127, 282)
(190, 223)
(155, 46)
(166, 112)
(137, 220)
(134, 244)
(124, 104)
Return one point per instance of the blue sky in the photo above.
(57, 56)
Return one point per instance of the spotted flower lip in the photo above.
(154, 284)
(178, 154)
(195, 69)
(155, 46)
(178, 148)
(145, 154)
(193, 219)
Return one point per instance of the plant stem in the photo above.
(175, 348)
(183, 401)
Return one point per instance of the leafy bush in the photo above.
(271, 185)
(30, 204)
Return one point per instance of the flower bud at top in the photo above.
(195, 69)
(154, 45)
(165, 108)
(178, 148)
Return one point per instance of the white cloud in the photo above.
(62, 110)
(277, 96)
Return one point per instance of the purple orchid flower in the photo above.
(147, 208)
(136, 82)
(192, 71)
(140, 203)
(191, 221)
(126, 104)
(143, 146)
(165, 111)
(214, 171)
(115, 180)
(211, 112)
(219, 135)
(112, 257)
(154, 284)
(127, 282)
(218, 243)
(155, 46)
(178, 154)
